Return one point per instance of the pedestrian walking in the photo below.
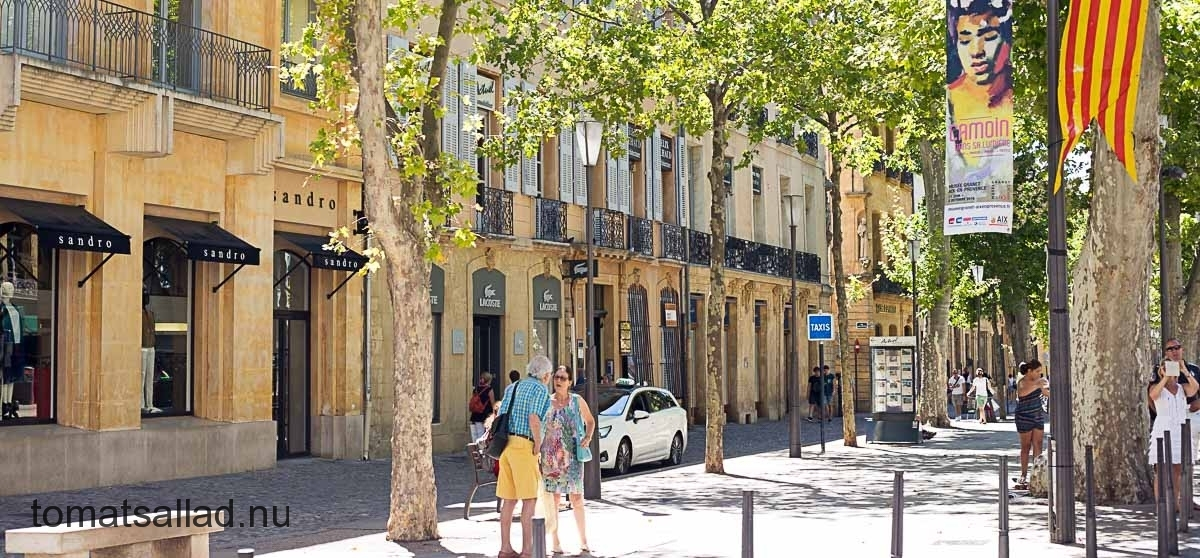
(827, 392)
(1030, 418)
(525, 402)
(957, 387)
(814, 393)
(1172, 392)
(980, 390)
(480, 405)
(568, 432)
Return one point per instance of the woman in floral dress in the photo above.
(568, 425)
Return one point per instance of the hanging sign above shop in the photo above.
(488, 292)
(547, 298)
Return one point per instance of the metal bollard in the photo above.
(1172, 497)
(1189, 462)
(1160, 502)
(1090, 515)
(539, 537)
(245, 553)
(747, 524)
(898, 515)
(1050, 488)
(1003, 506)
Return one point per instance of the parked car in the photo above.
(639, 424)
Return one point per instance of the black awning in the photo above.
(68, 227)
(323, 258)
(208, 242)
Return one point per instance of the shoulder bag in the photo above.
(497, 438)
(583, 454)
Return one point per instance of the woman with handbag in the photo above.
(568, 428)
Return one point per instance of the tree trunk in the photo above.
(849, 434)
(714, 442)
(1188, 327)
(413, 510)
(1017, 322)
(1110, 361)
(934, 348)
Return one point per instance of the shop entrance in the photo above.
(487, 346)
(289, 402)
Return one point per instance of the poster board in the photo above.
(893, 375)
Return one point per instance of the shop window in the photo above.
(672, 342)
(544, 339)
(167, 323)
(291, 282)
(27, 311)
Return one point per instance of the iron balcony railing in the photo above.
(551, 220)
(672, 242)
(106, 37)
(884, 285)
(608, 228)
(306, 88)
(699, 247)
(812, 143)
(496, 213)
(641, 236)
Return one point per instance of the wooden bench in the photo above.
(482, 469)
(131, 537)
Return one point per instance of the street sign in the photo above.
(820, 327)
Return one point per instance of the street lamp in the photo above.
(977, 274)
(794, 442)
(588, 134)
(914, 254)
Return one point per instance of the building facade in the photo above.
(169, 309)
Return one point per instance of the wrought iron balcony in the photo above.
(699, 247)
(496, 213)
(672, 242)
(812, 143)
(551, 220)
(906, 178)
(884, 285)
(641, 236)
(307, 88)
(106, 37)
(608, 228)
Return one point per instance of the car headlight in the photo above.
(604, 430)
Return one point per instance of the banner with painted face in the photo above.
(979, 116)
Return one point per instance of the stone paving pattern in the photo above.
(329, 500)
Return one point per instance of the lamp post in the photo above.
(914, 254)
(588, 134)
(977, 274)
(794, 441)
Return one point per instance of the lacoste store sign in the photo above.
(547, 298)
(488, 292)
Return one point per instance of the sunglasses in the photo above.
(561, 377)
(1174, 348)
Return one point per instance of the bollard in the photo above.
(1003, 506)
(898, 515)
(539, 537)
(1160, 502)
(1090, 514)
(245, 553)
(1189, 461)
(747, 524)
(1172, 497)
(1050, 488)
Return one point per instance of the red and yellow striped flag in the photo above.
(1100, 66)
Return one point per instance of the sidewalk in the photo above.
(839, 501)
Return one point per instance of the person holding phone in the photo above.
(1172, 393)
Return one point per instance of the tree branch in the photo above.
(431, 126)
(683, 16)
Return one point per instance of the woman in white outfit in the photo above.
(1169, 394)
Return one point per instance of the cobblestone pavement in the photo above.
(324, 500)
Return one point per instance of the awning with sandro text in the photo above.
(322, 258)
(208, 242)
(69, 227)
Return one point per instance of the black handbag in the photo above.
(497, 438)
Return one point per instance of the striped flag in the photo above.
(1100, 66)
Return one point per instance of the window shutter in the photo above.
(466, 138)
(512, 173)
(395, 44)
(683, 179)
(529, 163)
(625, 184)
(566, 165)
(648, 162)
(451, 123)
(654, 167)
(580, 172)
(611, 183)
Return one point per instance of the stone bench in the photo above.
(131, 537)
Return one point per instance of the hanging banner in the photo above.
(979, 116)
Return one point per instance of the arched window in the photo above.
(907, 331)
(671, 342)
(27, 297)
(639, 325)
(166, 328)
(291, 281)
(878, 330)
(892, 330)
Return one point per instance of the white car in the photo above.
(639, 424)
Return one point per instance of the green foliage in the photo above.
(429, 183)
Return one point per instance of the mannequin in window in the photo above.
(148, 337)
(10, 341)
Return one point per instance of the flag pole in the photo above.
(1063, 526)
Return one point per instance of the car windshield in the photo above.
(612, 402)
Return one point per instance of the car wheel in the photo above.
(624, 457)
(676, 455)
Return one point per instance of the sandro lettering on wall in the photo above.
(311, 199)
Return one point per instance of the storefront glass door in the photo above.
(289, 403)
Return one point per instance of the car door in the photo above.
(641, 432)
(664, 429)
